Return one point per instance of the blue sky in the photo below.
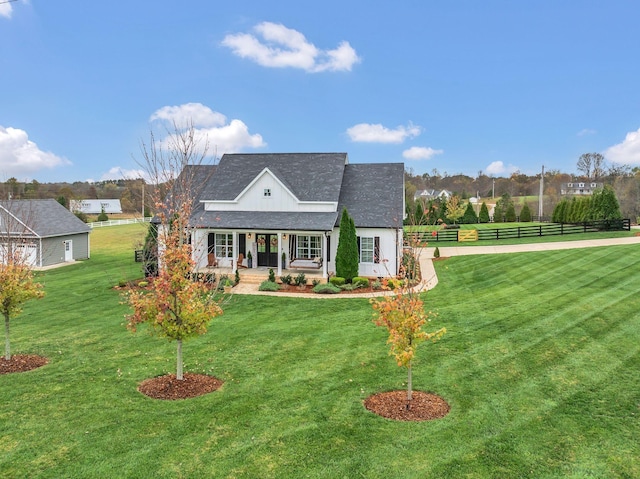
(460, 86)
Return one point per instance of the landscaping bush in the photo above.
(349, 287)
(286, 279)
(326, 288)
(376, 285)
(315, 282)
(436, 252)
(268, 286)
(361, 282)
(103, 216)
(337, 280)
(301, 279)
(272, 275)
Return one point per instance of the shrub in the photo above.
(347, 255)
(436, 252)
(337, 280)
(394, 283)
(361, 282)
(376, 285)
(81, 216)
(237, 276)
(143, 284)
(326, 288)
(103, 216)
(301, 279)
(525, 213)
(272, 275)
(286, 279)
(349, 287)
(122, 283)
(315, 282)
(268, 286)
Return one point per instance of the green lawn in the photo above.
(539, 365)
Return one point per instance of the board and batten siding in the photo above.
(268, 194)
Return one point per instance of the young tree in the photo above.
(17, 284)
(347, 254)
(177, 307)
(455, 209)
(525, 213)
(470, 216)
(404, 317)
(484, 213)
(510, 214)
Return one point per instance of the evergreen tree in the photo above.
(347, 254)
(525, 213)
(605, 205)
(510, 214)
(484, 213)
(469, 216)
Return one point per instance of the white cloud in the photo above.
(587, 132)
(5, 10)
(420, 153)
(368, 133)
(210, 127)
(498, 168)
(196, 113)
(282, 47)
(20, 156)
(627, 152)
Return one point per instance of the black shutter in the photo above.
(293, 246)
(328, 252)
(358, 240)
(376, 249)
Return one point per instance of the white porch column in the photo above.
(280, 244)
(325, 259)
(234, 252)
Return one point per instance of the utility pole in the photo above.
(493, 189)
(540, 196)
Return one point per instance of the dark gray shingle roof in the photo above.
(309, 176)
(373, 194)
(45, 217)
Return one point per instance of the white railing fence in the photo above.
(130, 221)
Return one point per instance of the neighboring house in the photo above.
(580, 188)
(91, 207)
(431, 194)
(269, 204)
(44, 231)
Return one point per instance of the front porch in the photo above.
(253, 253)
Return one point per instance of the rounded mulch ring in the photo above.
(394, 405)
(19, 363)
(171, 388)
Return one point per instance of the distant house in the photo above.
(289, 205)
(43, 231)
(580, 188)
(431, 194)
(95, 207)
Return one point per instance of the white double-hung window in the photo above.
(224, 245)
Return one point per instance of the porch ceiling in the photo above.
(262, 220)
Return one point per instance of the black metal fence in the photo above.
(546, 229)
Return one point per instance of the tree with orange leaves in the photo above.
(404, 316)
(178, 306)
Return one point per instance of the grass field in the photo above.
(539, 365)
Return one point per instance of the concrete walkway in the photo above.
(429, 277)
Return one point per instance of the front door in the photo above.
(68, 250)
(267, 250)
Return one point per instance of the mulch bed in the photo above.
(394, 405)
(20, 363)
(168, 387)
(309, 289)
